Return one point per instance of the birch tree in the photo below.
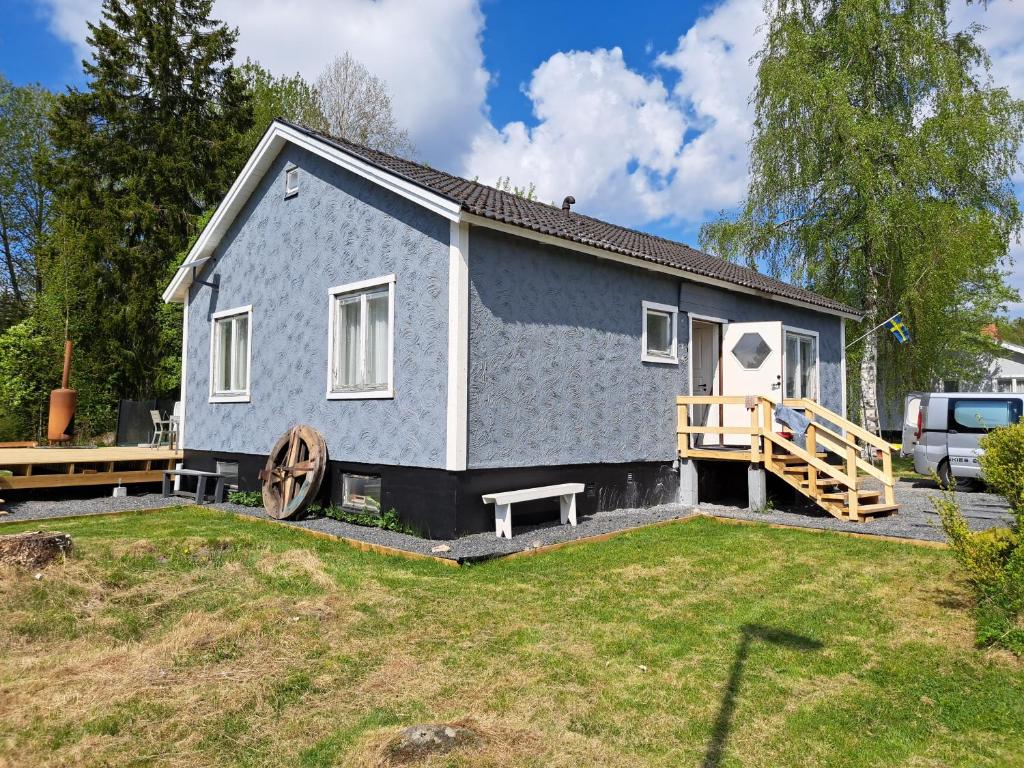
(357, 107)
(24, 197)
(881, 166)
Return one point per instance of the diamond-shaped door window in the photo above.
(751, 350)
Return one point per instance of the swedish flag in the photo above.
(898, 328)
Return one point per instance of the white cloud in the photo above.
(1002, 37)
(427, 50)
(617, 140)
(596, 118)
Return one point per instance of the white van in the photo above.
(948, 425)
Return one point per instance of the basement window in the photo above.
(230, 471)
(658, 344)
(291, 182)
(361, 493)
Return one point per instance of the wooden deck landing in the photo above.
(67, 467)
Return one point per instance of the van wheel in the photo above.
(948, 480)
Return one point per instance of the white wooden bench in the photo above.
(503, 504)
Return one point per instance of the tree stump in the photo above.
(419, 741)
(34, 549)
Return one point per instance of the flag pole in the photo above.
(865, 335)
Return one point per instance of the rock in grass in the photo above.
(424, 739)
(34, 549)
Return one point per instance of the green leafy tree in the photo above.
(142, 152)
(25, 198)
(1012, 330)
(290, 97)
(881, 167)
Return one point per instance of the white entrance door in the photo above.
(704, 349)
(752, 355)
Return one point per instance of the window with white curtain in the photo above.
(361, 341)
(230, 342)
(801, 363)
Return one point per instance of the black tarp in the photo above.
(134, 424)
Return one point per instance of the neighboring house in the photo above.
(450, 339)
(1007, 371)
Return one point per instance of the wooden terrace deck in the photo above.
(68, 467)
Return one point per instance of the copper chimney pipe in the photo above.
(61, 424)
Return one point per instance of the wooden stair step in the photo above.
(843, 496)
(825, 481)
(789, 458)
(876, 509)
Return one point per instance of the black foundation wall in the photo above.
(444, 505)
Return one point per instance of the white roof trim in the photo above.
(1012, 347)
(256, 167)
(601, 253)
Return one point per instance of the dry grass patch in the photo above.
(191, 639)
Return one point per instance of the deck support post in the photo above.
(757, 488)
(687, 483)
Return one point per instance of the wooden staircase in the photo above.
(831, 469)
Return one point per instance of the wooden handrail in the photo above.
(839, 421)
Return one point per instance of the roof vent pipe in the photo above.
(568, 203)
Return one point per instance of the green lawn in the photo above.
(904, 467)
(190, 638)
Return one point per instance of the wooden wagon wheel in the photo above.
(293, 472)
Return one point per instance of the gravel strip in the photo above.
(916, 520)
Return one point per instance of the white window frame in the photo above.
(1016, 385)
(332, 294)
(787, 329)
(292, 172)
(673, 313)
(242, 396)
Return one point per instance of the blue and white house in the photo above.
(449, 339)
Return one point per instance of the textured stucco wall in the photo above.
(738, 307)
(281, 256)
(555, 375)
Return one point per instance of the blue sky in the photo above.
(638, 109)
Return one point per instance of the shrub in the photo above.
(1002, 465)
(389, 521)
(993, 563)
(246, 498)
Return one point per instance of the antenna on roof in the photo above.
(568, 203)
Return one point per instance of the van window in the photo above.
(983, 415)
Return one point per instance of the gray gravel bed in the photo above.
(916, 520)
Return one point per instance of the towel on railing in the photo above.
(796, 421)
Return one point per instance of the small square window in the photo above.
(659, 333)
(361, 493)
(291, 182)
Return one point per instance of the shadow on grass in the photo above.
(723, 721)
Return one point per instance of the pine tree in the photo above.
(881, 169)
(152, 142)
